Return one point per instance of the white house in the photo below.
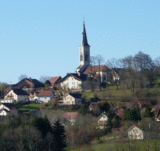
(16, 95)
(102, 120)
(73, 81)
(8, 109)
(135, 133)
(72, 99)
(45, 96)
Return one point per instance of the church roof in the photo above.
(90, 69)
(84, 37)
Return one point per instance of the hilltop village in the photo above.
(99, 102)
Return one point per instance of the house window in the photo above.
(73, 83)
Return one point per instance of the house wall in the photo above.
(69, 100)
(22, 98)
(16, 97)
(135, 133)
(71, 83)
(103, 119)
(45, 99)
(7, 96)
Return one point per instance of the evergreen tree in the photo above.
(109, 125)
(60, 138)
(148, 112)
(42, 124)
(132, 114)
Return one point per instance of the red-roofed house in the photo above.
(55, 81)
(70, 116)
(141, 103)
(93, 105)
(45, 96)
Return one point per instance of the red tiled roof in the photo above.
(97, 68)
(93, 104)
(53, 80)
(79, 67)
(45, 93)
(71, 115)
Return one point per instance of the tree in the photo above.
(132, 114)
(47, 83)
(44, 78)
(143, 61)
(60, 138)
(42, 124)
(3, 88)
(148, 112)
(99, 60)
(109, 125)
(22, 76)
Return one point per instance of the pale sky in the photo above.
(39, 38)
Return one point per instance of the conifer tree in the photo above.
(60, 138)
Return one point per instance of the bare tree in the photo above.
(43, 79)
(22, 76)
(99, 60)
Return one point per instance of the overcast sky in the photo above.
(41, 38)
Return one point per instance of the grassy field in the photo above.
(149, 145)
(29, 107)
(108, 93)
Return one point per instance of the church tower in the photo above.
(84, 49)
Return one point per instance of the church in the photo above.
(87, 76)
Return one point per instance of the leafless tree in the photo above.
(99, 60)
(43, 79)
(22, 76)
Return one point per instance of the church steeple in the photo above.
(84, 49)
(84, 36)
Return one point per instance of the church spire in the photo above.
(84, 36)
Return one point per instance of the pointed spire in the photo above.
(84, 36)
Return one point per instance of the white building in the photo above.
(15, 95)
(72, 99)
(135, 133)
(8, 109)
(45, 96)
(102, 120)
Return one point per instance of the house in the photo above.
(55, 81)
(28, 84)
(16, 95)
(102, 120)
(140, 103)
(93, 105)
(45, 96)
(74, 81)
(135, 133)
(72, 99)
(120, 112)
(33, 96)
(8, 109)
(70, 116)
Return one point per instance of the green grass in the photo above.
(138, 145)
(29, 107)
